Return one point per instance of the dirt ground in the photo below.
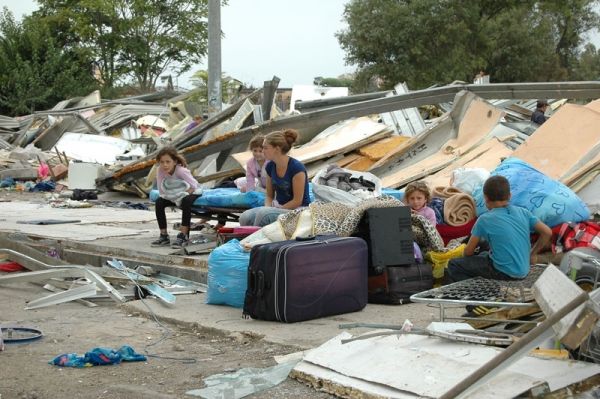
(184, 357)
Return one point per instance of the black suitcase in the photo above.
(398, 283)
(292, 281)
(389, 236)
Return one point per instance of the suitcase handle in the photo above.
(307, 238)
(318, 236)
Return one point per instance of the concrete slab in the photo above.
(193, 311)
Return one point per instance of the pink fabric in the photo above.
(179, 173)
(428, 213)
(252, 174)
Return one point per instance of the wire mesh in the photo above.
(480, 290)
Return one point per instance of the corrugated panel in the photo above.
(8, 123)
(407, 121)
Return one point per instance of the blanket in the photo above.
(174, 190)
(459, 209)
(339, 219)
(445, 191)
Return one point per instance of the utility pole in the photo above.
(214, 57)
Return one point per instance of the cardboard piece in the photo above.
(545, 148)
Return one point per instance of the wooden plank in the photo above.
(377, 150)
(361, 164)
(347, 159)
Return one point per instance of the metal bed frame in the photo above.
(486, 292)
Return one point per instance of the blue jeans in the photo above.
(473, 266)
(261, 216)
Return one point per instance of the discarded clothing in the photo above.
(339, 178)
(8, 182)
(98, 357)
(43, 186)
(81, 195)
(437, 204)
(132, 205)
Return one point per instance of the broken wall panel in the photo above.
(473, 127)
(547, 149)
(487, 156)
(337, 139)
(397, 366)
(325, 117)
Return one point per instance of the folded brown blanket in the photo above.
(459, 209)
(445, 191)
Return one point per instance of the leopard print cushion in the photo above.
(342, 220)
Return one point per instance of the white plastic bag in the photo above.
(468, 179)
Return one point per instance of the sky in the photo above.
(291, 39)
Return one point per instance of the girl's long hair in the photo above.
(172, 152)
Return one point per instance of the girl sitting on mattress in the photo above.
(286, 181)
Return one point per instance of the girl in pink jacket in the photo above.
(176, 187)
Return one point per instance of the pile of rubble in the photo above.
(383, 133)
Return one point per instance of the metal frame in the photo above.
(436, 296)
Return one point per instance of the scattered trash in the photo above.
(10, 267)
(243, 382)
(98, 357)
(19, 335)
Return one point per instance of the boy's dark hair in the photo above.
(496, 188)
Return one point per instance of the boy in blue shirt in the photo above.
(506, 228)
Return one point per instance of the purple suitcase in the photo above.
(292, 281)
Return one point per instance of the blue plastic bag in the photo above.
(548, 199)
(228, 275)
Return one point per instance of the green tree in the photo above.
(35, 72)
(133, 39)
(332, 82)
(588, 64)
(426, 42)
(230, 87)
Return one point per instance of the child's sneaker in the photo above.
(162, 241)
(181, 241)
(478, 311)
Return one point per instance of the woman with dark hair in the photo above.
(176, 187)
(287, 181)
